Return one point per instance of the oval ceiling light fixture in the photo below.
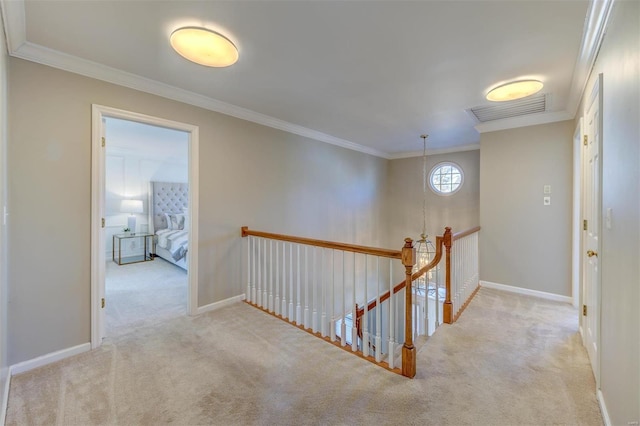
(204, 47)
(514, 90)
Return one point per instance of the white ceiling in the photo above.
(368, 75)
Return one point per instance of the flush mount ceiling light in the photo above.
(514, 90)
(204, 47)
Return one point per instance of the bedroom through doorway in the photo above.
(126, 220)
(146, 201)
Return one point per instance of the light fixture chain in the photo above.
(424, 184)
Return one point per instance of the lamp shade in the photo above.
(131, 206)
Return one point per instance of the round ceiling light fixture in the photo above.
(204, 47)
(514, 90)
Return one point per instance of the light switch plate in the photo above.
(547, 201)
(547, 189)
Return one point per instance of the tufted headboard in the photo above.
(166, 197)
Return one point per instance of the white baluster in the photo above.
(283, 293)
(307, 313)
(248, 292)
(265, 277)
(314, 302)
(343, 328)
(255, 276)
(323, 297)
(354, 314)
(392, 298)
(276, 282)
(270, 299)
(365, 317)
(298, 294)
(292, 316)
(378, 312)
(332, 297)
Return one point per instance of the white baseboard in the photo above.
(527, 292)
(43, 360)
(6, 374)
(603, 409)
(221, 304)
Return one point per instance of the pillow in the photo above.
(180, 220)
(175, 222)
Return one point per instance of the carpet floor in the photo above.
(142, 294)
(509, 360)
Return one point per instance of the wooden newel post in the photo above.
(408, 350)
(447, 309)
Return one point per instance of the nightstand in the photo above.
(148, 243)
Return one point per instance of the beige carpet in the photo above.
(142, 294)
(509, 360)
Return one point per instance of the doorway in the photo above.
(131, 252)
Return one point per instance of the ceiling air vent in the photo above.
(530, 105)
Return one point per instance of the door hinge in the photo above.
(584, 225)
(584, 310)
(104, 141)
(584, 140)
(103, 303)
(102, 222)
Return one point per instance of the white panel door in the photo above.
(592, 215)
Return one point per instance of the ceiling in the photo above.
(367, 75)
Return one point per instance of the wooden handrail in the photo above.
(440, 241)
(374, 251)
(463, 234)
(386, 295)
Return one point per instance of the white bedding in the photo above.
(175, 242)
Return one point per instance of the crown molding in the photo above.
(595, 26)
(13, 18)
(13, 14)
(411, 154)
(53, 58)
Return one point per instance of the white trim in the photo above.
(5, 396)
(13, 16)
(576, 239)
(526, 291)
(50, 358)
(595, 26)
(53, 58)
(97, 209)
(221, 304)
(461, 148)
(603, 408)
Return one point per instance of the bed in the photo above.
(169, 221)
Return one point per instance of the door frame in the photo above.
(576, 246)
(98, 253)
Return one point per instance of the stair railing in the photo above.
(464, 278)
(418, 307)
(286, 276)
(316, 285)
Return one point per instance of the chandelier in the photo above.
(425, 250)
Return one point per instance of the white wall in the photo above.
(250, 175)
(619, 62)
(460, 211)
(137, 154)
(522, 242)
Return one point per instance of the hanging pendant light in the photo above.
(425, 250)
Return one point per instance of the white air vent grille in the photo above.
(530, 105)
